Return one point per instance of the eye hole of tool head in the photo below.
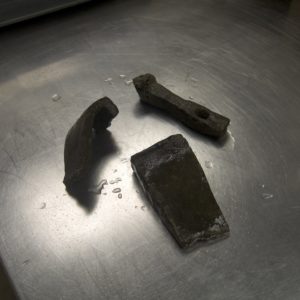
(202, 113)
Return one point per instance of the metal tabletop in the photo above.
(12, 11)
(240, 58)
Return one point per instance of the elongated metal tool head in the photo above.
(192, 114)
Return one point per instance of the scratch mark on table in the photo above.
(10, 158)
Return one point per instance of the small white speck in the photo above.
(128, 82)
(122, 76)
(194, 79)
(263, 186)
(267, 196)
(118, 179)
(191, 97)
(108, 79)
(55, 97)
(208, 164)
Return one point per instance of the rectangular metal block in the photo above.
(176, 186)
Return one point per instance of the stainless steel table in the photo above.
(240, 58)
(12, 11)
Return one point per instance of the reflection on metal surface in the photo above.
(14, 11)
(245, 56)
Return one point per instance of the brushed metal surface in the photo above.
(13, 11)
(239, 58)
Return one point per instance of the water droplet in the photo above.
(191, 97)
(263, 186)
(108, 79)
(122, 76)
(120, 196)
(116, 190)
(118, 179)
(128, 82)
(208, 164)
(267, 196)
(99, 187)
(55, 97)
(43, 206)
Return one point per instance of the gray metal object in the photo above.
(80, 139)
(240, 58)
(174, 183)
(190, 113)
